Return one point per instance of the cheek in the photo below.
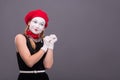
(41, 27)
(32, 25)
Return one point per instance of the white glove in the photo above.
(53, 39)
(46, 41)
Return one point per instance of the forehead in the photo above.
(40, 19)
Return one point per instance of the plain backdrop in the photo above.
(88, 32)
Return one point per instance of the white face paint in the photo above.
(37, 25)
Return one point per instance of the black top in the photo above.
(39, 65)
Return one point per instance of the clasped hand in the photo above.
(49, 42)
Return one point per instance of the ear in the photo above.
(28, 23)
(27, 26)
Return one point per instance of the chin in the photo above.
(36, 33)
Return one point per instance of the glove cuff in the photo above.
(44, 48)
(51, 46)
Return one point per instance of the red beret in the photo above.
(36, 13)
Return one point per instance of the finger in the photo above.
(47, 38)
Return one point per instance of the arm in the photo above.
(30, 60)
(48, 61)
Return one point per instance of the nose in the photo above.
(37, 25)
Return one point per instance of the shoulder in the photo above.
(19, 37)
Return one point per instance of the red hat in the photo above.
(36, 13)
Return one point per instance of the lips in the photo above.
(36, 29)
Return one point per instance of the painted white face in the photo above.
(37, 25)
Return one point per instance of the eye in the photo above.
(35, 21)
(42, 24)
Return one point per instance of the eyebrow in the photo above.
(40, 22)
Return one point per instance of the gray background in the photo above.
(88, 31)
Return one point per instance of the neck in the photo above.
(32, 35)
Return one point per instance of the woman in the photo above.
(34, 51)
